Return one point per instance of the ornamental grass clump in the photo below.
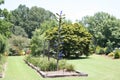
(49, 65)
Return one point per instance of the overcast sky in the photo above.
(74, 9)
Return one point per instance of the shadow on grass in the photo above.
(76, 58)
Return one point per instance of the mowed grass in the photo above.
(18, 70)
(97, 68)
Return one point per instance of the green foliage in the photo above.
(19, 31)
(75, 39)
(100, 50)
(97, 51)
(30, 18)
(70, 67)
(1, 2)
(5, 28)
(104, 28)
(3, 44)
(17, 44)
(47, 25)
(111, 54)
(37, 43)
(62, 64)
(49, 65)
(117, 53)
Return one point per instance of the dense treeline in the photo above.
(18, 25)
(28, 19)
(105, 29)
(34, 23)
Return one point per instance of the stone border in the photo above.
(45, 75)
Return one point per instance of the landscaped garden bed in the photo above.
(51, 73)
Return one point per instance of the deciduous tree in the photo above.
(75, 39)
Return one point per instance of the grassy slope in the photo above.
(97, 67)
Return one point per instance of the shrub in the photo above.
(44, 66)
(37, 43)
(69, 67)
(74, 38)
(111, 54)
(62, 64)
(50, 65)
(99, 50)
(107, 50)
(3, 44)
(117, 53)
(116, 56)
(17, 44)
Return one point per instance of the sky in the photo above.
(73, 9)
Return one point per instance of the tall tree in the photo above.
(104, 28)
(4, 29)
(75, 40)
(30, 19)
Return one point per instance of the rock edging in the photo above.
(47, 75)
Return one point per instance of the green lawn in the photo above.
(18, 70)
(97, 67)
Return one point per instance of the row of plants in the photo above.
(2, 62)
(49, 65)
(114, 53)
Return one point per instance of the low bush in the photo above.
(49, 65)
(116, 56)
(107, 50)
(17, 45)
(69, 67)
(117, 53)
(62, 64)
(99, 50)
(111, 54)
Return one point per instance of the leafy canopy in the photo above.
(75, 39)
(104, 28)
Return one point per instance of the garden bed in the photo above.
(53, 74)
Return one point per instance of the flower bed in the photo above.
(62, 72)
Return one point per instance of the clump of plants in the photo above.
(18, 45)
(99, 50)
(111, 54)
(117, 53)
(49, 65)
